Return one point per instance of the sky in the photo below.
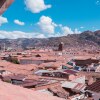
(49, 18)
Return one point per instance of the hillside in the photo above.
(85, 39)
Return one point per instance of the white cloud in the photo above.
(20, 34)
(3, 20)
(76, 31)
(16, 21)
(14, 34)
(40, 36)
(51, 29)
(66, 30)
(36, 6)
(47, 25)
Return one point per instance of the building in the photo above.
(60, 47)
(93, 90)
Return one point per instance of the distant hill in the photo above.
(85, 39)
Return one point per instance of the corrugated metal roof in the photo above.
(69, 84)
(80, 80)
(73, 85)
(95, 87)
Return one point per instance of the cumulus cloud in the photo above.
(51, 29)
(20, 34)
(40, 36)
(16, 21)
(14, 34)
(36, 6)
(76, 31)
(3, 20)
(67, 30)
(47, 25)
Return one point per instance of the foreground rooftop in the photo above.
(19, 93)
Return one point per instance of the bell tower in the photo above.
(61, 46)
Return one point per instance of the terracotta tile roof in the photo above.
(52, 64)
(59, 91)
(19, 93)
(82, 57)
(95, 87)
(17, 68)
(18, 77)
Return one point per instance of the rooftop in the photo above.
(95, 87)
(19, 93)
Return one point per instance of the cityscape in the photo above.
(49, 50)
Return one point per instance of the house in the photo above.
(64, 74)
(84, 62)
(70, 71)
(39, 84)
(73, 87)
(50, 65)
(67, 66)
(31, 84)
(72, 63)
(78, 97)
(14, 79)
(93, 90)
(79, 80)
(35, 60)
(76, 90)
(55, 74)
(78, 68)
(98, 69)
(59, 91)
(41, 72)
(17, 79)
(4, 72)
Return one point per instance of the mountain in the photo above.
(85, 39)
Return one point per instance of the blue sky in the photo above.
(47, 18)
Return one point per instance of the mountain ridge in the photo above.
(84, 39)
